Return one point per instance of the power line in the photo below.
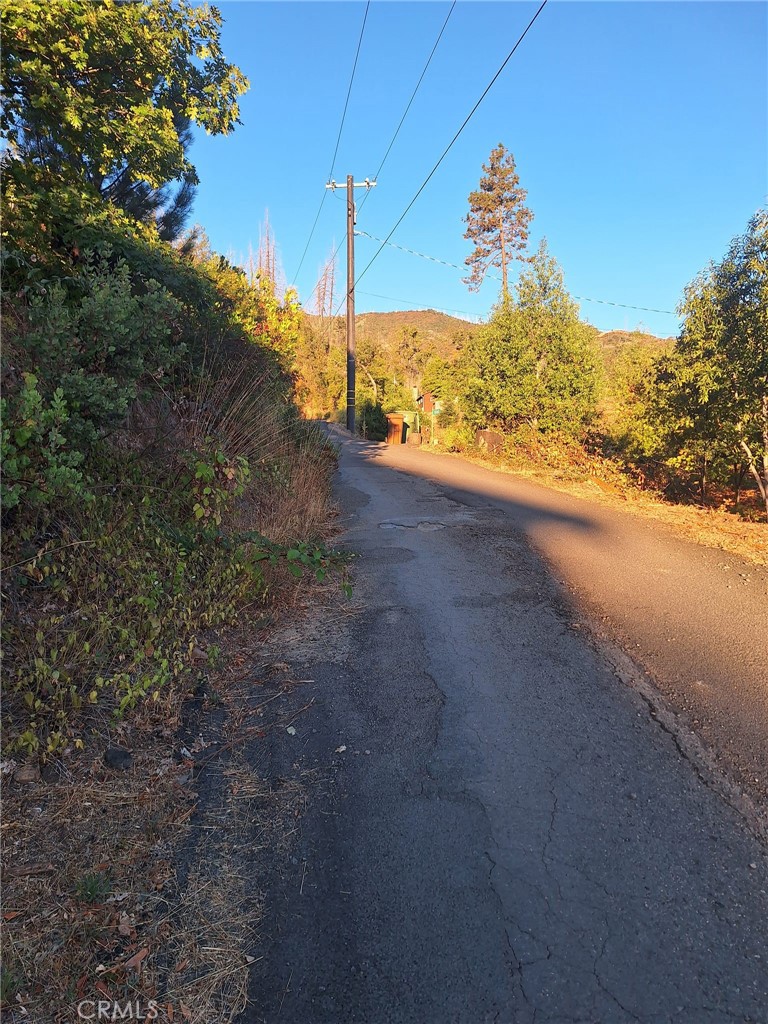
(493, 277)
(413, 94)
(413, 252)
(349, 91)
(336, 149)
(311, 233)
(333, 257)
(410, 101)
(394, 137)
(453, 140)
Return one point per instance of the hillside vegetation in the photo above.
(393, 350)
(156, 470)
(613, 343)
(685, 416)
(434, 335)
(159, 487)
(441, 335)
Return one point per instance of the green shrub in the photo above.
(38, 465)
(371, 421)
(457, 438)
(100, 343)
(104, 603)
(149, 441)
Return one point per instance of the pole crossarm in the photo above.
(355, 184)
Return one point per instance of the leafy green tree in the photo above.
(255, 309)
(373, 367)
(439, 378)
(498, 220)
(535, 362)
(684, 427)
(630, 389)
(310, 368)
(102, 93)
(168, 207)
(411, 356)
(713, 388)
(443, 380)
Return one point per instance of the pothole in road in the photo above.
(425, 525)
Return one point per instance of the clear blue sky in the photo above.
(640, 131)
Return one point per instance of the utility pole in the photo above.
(351, 186)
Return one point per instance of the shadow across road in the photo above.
(690, 616)
(530, 505)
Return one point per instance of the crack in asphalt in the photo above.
(600, 983)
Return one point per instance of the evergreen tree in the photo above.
(535, 362)
(497, 221)
(169, 206)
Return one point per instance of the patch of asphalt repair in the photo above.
(506, 826)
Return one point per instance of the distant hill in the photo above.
(444, 335)
(612, 342)
(437, 332)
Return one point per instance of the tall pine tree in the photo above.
(497, 221)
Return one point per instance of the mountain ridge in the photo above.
(446, 334)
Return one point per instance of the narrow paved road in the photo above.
(504, 830)
(695, 618)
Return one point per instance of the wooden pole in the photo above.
(350, 304)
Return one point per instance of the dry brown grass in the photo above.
(239, 408)
(711, 527)
(297, 506)
(88, 879)
(218, 941)
(131, 885)
(288, 499)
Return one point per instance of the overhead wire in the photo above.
(311, 233)
(493, 277)
(336, 148)
(410, 304)
(349, 91)
(450, 145)
(331, 260)
(410, 101)
(394, 137)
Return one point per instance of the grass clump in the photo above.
(94, 887)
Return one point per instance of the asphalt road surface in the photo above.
(539, 750)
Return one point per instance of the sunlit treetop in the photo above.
(103, 90)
